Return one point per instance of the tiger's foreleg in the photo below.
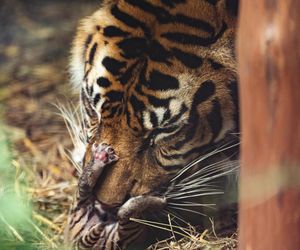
(102, 155)
(128, 230)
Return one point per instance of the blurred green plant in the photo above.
(16, 230)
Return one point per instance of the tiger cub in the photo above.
(158, 84)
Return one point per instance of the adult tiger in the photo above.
(158, 84)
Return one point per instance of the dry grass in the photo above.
(194, 240)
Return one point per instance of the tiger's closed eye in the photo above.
(148, 142)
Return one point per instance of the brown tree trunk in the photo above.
(269, 68)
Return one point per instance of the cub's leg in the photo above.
(87, 221)
(102, 155)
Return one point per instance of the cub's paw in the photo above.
(103, 154)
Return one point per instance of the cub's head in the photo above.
(157, 86)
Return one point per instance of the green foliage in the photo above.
(15, 222)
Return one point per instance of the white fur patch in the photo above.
(147, 122)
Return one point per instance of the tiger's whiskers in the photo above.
(74, 121)
(201, 183)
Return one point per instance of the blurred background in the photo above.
(37, 179)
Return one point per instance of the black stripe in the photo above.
(167, 115)
(177, 133)
(233, 88)
(146, 142)
(136, 104)
(212, 2)
(93, 238)
(90, 213)
(202, 150)
(74, 222)
(190, 133)
(112, 112)
(153, 119)
(166, 130)
(221, 32)
(161, 81)
(142, 75)
(129, 20)
(158, 53)
(215, 65)
(157, 102)
(91, 90)
(138, 89)
(120, 110)
(132, 47)
(215, 119)
(86, 103)
(113, 31)
(103, 82)
(175, 118)
(161, 14)
(96, 99)
(112, 65)
(171, 156)
(115, 96)
(172, 3)
(204, 92)
(185, 38)
(108, 234)
(92, 53)
(79, 232)
(88, 41)
(84, 242)
(128, 116)
(87, 73)
(195, 23)
(169, 167)
(188, 59)
(127, 75)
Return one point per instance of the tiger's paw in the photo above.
(136, 206)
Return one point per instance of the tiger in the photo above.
(157, 81)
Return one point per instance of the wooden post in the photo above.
(269, 70)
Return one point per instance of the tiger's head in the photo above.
(158, 83)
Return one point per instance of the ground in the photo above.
(35, 41)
